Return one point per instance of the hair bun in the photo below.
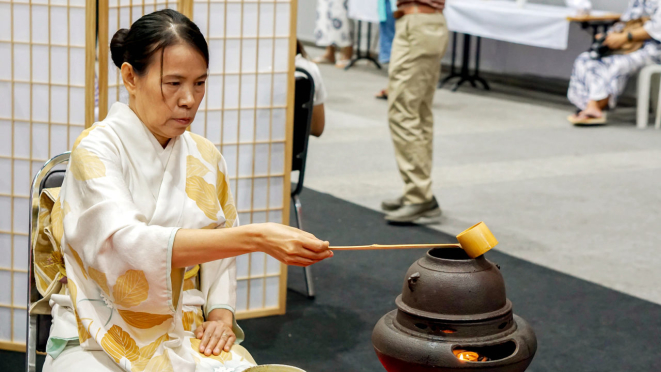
(117, 47)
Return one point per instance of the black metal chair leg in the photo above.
(307, 271)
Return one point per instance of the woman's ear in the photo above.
(129, 78)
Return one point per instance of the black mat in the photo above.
(580, 326)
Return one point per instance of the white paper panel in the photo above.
(5, 324)
(20, 318)
(242, 265)
(248, 91)
(22, 27)
(259, 217)
(5, 296)
(247, 127)
(5, 99)
(5, 213)
(263, 127)
(22, 139)
(276, 190)
(21, 181)
(242, 195)
(266, 20)
(59, 61)
(279, 125)
(272, 292)
(242, 295)
(257, 264)
(40, 63)
(256, 293)
(5, 22)
(265, 63)
(21, 254)
(5, 171)
(5, 251)
(39, 24)
(5, 60)
(260, 189)
(58, 29)
(21, 213)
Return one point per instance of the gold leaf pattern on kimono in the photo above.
(84, 134)
(99, 278)
(208, 151)
(118, 344)
(211, 226)
(143, 320)
(148, 351)
(56, 217)
(78, 260)
(66, 208)
(225, 198)
(160, 363)
(189, 284)
(131, 288)
(194, 167)
(83, 334)
(85, 165)
(204, 195)
(188, 320)
(223, 357)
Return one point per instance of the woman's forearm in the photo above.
(196, 246)
(640, 34)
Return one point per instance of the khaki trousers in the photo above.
(415, 65)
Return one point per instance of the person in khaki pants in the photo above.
(421, 38)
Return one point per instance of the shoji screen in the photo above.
(244, 114)
(44, 75)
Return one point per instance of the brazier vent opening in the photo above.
(492, 352)
(449, 253)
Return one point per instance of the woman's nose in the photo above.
(187, 99)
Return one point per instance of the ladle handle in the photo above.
(394, 246)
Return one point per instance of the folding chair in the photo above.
(303, 106)
(38, 326)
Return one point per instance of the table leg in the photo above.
(477, 65)
(359, 54)
(465, 73)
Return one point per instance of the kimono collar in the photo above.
(144, 151)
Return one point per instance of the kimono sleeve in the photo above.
(218, 278)
(653, 26)
(107, 237)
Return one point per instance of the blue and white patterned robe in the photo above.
(333, 26)
(594, 80)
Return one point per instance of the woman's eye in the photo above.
(174, 83)
(200, 83)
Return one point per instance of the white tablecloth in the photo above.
(364, 10)
(539, 25)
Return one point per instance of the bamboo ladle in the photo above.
(476, 240)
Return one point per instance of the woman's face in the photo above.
(167, 109)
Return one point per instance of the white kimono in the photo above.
(123, 199)
(597, 79)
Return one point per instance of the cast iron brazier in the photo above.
(453, 315)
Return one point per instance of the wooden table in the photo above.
(595, 22)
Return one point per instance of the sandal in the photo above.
(383, 94)
(587, 119)
(323, 60)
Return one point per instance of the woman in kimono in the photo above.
(143, 223)
(595, 84)
(334, 30)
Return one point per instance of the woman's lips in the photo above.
(184, 121)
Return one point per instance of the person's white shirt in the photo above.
(313, 69)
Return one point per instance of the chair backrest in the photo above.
(38, 326)
(303, 106)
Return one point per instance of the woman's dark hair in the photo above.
(151, 33)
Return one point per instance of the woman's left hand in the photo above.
(216, 335)
(616, 40)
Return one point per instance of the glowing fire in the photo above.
(469, 356)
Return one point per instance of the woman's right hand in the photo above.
(289, 245)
